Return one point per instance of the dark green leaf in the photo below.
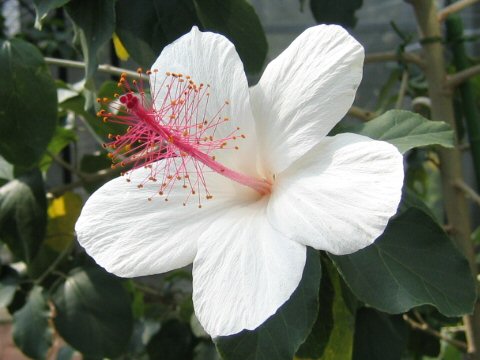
(43, 7)
(340, 343)
(76, 104)
(31, 330)
(93, 163)
(379, 336)
(9, 280)
(422, 343)
(318, 339)
(341, 12)
(94, 313)
(173, 341)
(60, 140)
(238, 21)
(94, 23)
(407, 130)
(412, 263)
(23, 215)
(28, 103)
(161, 23)
(282, 334)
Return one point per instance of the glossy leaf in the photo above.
(407, 130)
(314, 346)
(165, 21)
(92, 163)
(340, 342)
(62, 213)
(412, 263)
(43, 7)
(94, 313)
(161, 23)
(282, 334)
(229, 17)
(173, 341)
(379, 336)
(23, 215)
(61, 138)
(9, 281)
(31, 329)
(28, 103)
(341, 12)
(94, 23)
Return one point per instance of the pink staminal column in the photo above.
(178, 132)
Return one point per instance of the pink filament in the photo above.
(177, 132)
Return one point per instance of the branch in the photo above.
(453, 8)
(106, 68)
(467, 190)
(394, 56)
(460, 77)
(423, 326)
(362, 114)
(402, 91)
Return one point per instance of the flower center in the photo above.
(176, 127)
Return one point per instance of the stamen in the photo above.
(175, 124)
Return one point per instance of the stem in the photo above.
(455, 36)
(423, 326)
(453, 8)
(362, 114)
(451, 170)
(462, 76)
(468, 191)
(109, 69)
(394, 56)
(402, 90)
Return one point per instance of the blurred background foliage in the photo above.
(401, 298)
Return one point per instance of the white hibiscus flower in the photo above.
(288, 186)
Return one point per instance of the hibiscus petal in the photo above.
(304, 92)
(339, 196)
(244, 271)
(131, 236)
(211, 59)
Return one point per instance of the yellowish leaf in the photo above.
(120, 50)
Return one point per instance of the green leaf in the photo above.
(161, 23)
(94, 23)
(280, 336)
(317, 341)
(31, 330)
(92, 163)
(43, 7)
(407, 130)
(94, 313)
(62, 213)
(341, 12)
(23, 215)
(412, 263)
(9, 280)
(238, 21)
(379, 336)
(173, 341)
(60, 140)
(340, 343)
(28, 103)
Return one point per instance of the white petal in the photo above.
(304, 92)
(244, 271)
(340, 195)
(211, 59)
(131, 236)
